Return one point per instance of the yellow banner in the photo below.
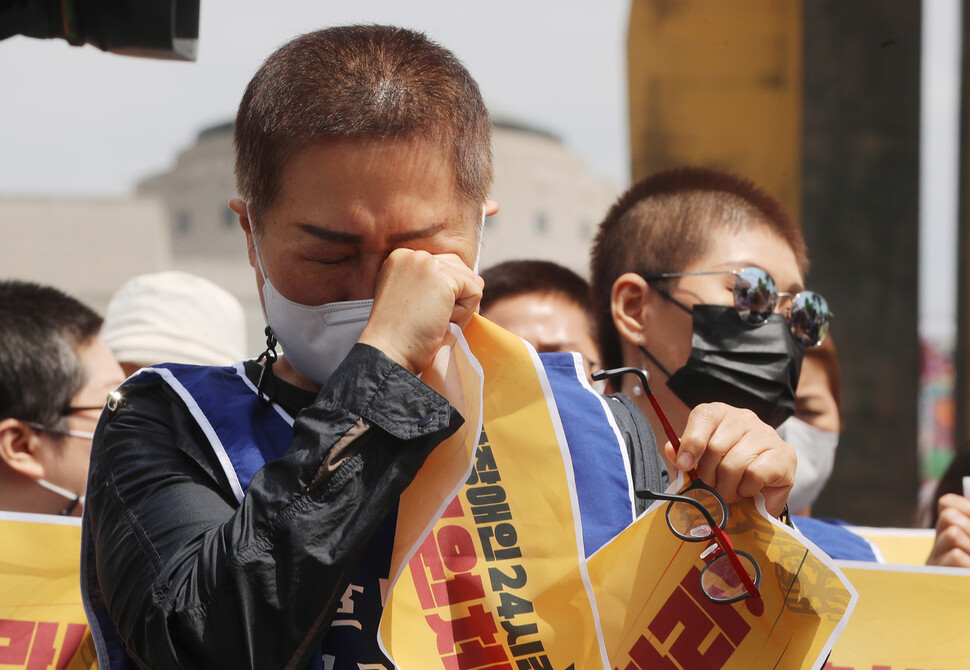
(500, 581)
(655, 616)
(42, 622)
(908, 618)
(466, 598)
(900, 546)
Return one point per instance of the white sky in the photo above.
(81, 122)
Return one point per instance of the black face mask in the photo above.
(754, 367)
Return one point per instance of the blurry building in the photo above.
(549, 201)
(86, 247)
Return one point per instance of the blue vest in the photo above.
(836, 539)
(225, 404)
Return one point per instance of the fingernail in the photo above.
(684, 461)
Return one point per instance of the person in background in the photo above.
(951, 515)
(174, 317)
(698, 278)
(694, 274)
(544, 303)
(55, 375)
(815, 427)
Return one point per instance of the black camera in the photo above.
(148, 28)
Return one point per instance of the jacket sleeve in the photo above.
(191, 578)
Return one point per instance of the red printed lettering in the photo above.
(472, 636)
(724, 616)
(459, 557)
(17, 635)
(457, 548)
(454, 509)
(645, 657)
(42, 651)
(681, 608)
(72, 640)
(698, 616)
(30, 644)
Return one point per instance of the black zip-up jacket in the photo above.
(192, 579)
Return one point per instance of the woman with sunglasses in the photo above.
(698, 278)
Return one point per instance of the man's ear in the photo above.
(19, 445)
(631, 302)
(238, 206)
(491, 208)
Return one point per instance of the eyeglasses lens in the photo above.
(809, 319)
(755, 299)
(755, 295)
(688, 522)
(721, 582)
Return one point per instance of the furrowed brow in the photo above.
(329, 235)
(430, 231)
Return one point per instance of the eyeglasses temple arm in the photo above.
(642, 376)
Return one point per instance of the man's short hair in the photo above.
(359, 82)
(665, 222)
(41, 329)
(514, 278)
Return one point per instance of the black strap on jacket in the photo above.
(646, 466)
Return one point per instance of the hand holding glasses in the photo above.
(698, 514)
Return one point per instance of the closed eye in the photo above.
(329, 261)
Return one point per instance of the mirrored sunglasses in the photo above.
(756, 296)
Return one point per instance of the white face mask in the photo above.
(61, 491)
(815, 450)
(316, 339)
(75, 498)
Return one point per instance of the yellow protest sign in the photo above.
(456, 374)
(466, 598)
(900, 546)
(908, 618)
(501, 582)
(42, 622)
(655, 617)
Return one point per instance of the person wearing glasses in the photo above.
(55, 374)
(698, 278)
